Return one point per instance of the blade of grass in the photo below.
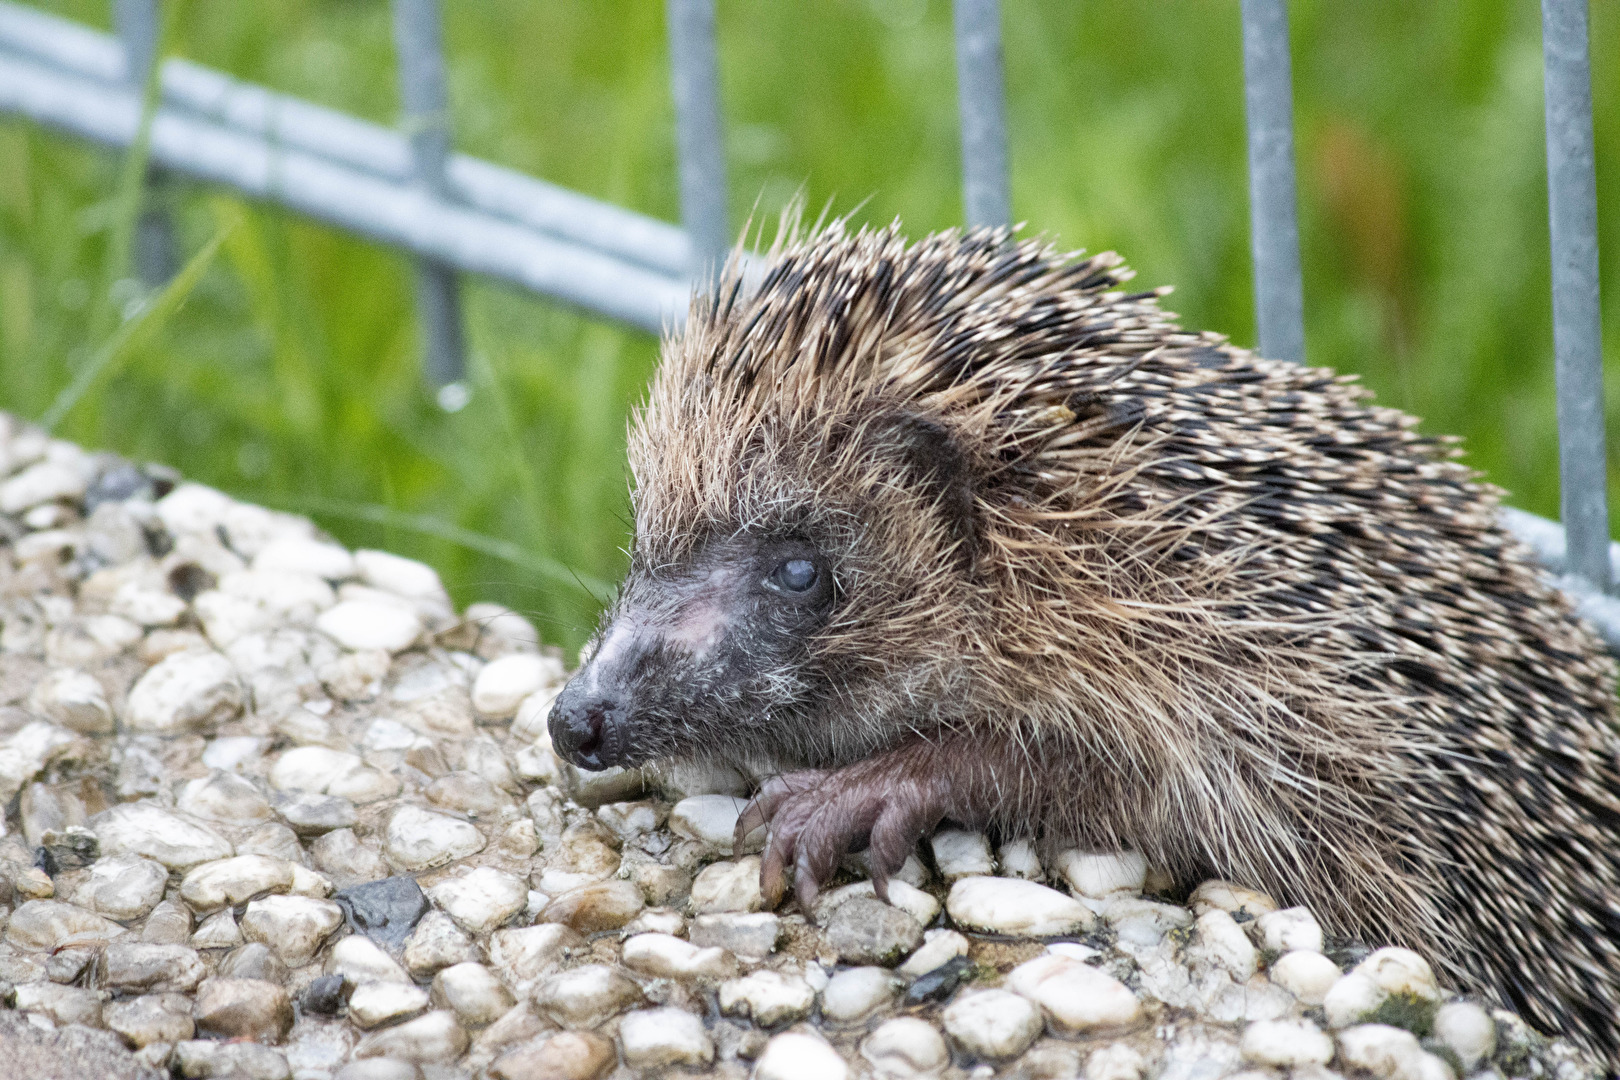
(428, 525)
(150, 319)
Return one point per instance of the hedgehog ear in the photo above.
(936, 463)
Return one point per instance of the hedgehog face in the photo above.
(693, 655)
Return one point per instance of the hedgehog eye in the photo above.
(794, 576)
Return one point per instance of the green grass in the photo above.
(290, 374)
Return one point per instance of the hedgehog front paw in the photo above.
(817, 816)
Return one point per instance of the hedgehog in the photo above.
(962, 530)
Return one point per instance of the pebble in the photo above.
(367, 624)
(217, 931)
(379, 1069)
(767, 997)
(727, 886)
(468, 793)
(123, 887)
(1351, 999)
(661, 1038)
(905, 1047)
(150, 1018)
(749, 937)
(51, 924)
(243, 1009)
(41, 483)
(433, 1037)
(1307, 975)
(865, 930)
(1223, 942)
(437, 943)
(375, 1003)
(1011, 906)
(234, 881)
(223, 796)
(473, 992)
(604, 905)
(1075, 996)
(571, 1055)
(385, 910)
(854, 994)
(294, 926)
(1100, 874)
(939, 946)
(908, 898)
(525, 955)
(1389, 1053)
(144, 828)
(503, 684)
(1400, 971)
(1144, 922)
(73, 699)
(1286, 1044)
(197, 1058)
(711, 821)
(311, 814)
(1292, 929)
(584, 997)
(63, 1004)
(1018, 858)
(794, 1055)
(664, 956)
(959, 854)
(481, 899)
(302, 555)
(189, 691)
(1467, 1031)
(320, 770)
(357, 959)
(1229, 898)
(145, 967)
(993, 1024)
(402, 576)
(169, 924)
(1121, 1061)
(419, 839)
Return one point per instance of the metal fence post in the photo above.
(699, 135)
(1577, 320)
(981, 97)
(1268, 99)
(418, 39)
(155, 250)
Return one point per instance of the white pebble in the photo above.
(147, 606)
(1351, 999)
(1099, 874)
(1467, 1031)
(177, 841)
(51, 924)
(1400, 971)
(1389, 1053)
(795, 1055)
(664, 956)
(503, 684)
(123, 887)
(303, 555)
(856, 993)
(1230, 898)
(420, 840)
(188, 691)
(1012, 906)
(994, 1024)
(584, 997)
(363, 624)
(406, 577)
(234, 881)
(728, 887)
(533, 716)
(660, 1038)
(473, 992)
(767, 997)
(1292, 929)
(522, 956)
(1286, 1044)
(1121, 1061)
(480, 900)
(40, 483)
(710, 820)
(1019, 859)
(430, 1038)
(749, 936)
(1144, 922)
(324, 771)
(1307, 975)
(908, 898)
(73, 699)
(939, 947)
(375, 1003)
(294, 926)
(905, 1047)
(959, 853)
(1075, 996)
(1223, 941)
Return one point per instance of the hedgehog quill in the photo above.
(962, 530)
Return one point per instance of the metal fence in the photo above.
(457, 214)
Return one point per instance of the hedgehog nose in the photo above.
(582, 727)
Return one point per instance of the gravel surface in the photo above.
(276, 809)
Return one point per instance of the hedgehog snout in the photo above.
(586, 726)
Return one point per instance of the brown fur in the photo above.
(1217, 608)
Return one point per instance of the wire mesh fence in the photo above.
(457, 214)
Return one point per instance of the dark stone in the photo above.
(386, 910)
(69, 849)
(941, 983)
(116, 483)
(323, 995)
(188, 580)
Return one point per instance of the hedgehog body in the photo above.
(1071, 571)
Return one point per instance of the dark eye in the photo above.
(794, 576)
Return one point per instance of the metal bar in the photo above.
(419, 42)
(1268, 99)
(156, 252)
(699, 136)
(980, 94)
(380, 209)
(1577, 321)
(341, 138)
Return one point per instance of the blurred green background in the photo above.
(291, 375)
